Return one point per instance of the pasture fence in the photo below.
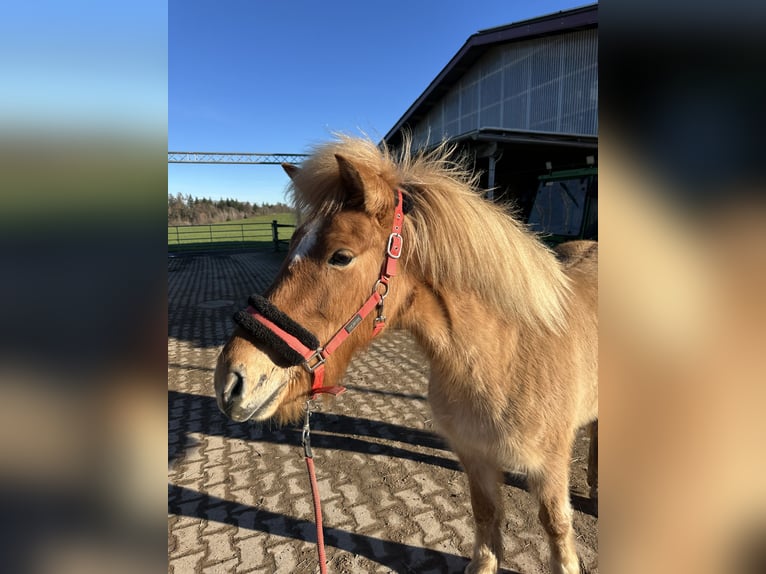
(249, 235)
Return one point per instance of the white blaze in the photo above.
(307, 242)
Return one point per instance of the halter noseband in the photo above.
(298, 345)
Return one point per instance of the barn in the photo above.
(522, 101)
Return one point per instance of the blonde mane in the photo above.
(456, 240)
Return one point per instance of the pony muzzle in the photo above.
(249, 386)
(292, 342)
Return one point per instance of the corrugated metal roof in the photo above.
(478, 45)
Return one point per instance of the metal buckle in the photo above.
(318, 359)
(394, 241)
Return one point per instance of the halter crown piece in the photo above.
(299, 346)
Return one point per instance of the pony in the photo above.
(509, 325)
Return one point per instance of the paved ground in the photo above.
(394, 498)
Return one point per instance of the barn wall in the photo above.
(547, 84)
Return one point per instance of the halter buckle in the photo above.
(314, 361)
(394, 248)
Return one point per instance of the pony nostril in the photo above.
(235, 385)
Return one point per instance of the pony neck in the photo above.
(458, 329)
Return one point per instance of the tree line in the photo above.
(188, 210)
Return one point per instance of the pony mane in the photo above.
(455, 240)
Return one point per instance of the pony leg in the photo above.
(551, 486)
(484, 484)
(593, 461)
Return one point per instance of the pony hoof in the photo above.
(573, 567)
(483, 565)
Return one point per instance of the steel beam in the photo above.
(234, 157)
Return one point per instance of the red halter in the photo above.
(314, 359)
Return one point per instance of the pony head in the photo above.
(347, 192)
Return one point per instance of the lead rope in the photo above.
(306, 440)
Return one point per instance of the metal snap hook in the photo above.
(306, 434)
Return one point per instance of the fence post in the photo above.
(275, 234)
(242, 232)
(210, 228)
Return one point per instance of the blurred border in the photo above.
(83, 143)
(682, 278)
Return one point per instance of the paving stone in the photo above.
(185, 564)
(219, 547)
(251, 553)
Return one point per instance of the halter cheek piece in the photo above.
(299, 346)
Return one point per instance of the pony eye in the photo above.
(341, 258)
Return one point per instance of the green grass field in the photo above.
(254, 232)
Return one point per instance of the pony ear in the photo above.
(352, 182)
(291, 170)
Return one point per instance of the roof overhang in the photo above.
(508, 136)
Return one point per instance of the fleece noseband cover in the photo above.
(262, 334)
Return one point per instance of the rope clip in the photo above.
(306, 435)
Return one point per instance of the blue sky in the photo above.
(84, 67)
(269, 77)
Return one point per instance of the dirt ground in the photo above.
(394, 498)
